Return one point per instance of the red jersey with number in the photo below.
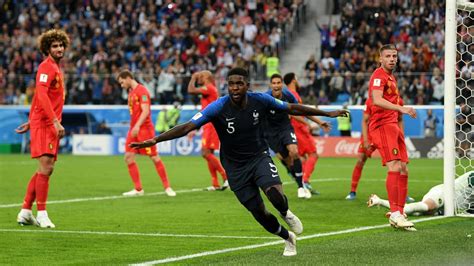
(48, 100)
(385, 82)
(137, 97)
(209, 94)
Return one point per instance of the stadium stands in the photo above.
(350, 52)
(164, 41)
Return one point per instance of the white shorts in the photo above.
(436, 194)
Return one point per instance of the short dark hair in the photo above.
(239, 72)
(387, 47)
(288, 78)
(54, 35)
(125, 74)
(276, 75)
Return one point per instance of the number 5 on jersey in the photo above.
(230, 127)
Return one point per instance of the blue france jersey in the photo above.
(279, 121)
(241, 131)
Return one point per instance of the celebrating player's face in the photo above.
(276, 86)
(56, 50)
(388, 59)
(237, 88)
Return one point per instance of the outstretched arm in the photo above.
(175, 132)
(299, 109)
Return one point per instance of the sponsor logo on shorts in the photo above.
(395, 151)
(50, 146)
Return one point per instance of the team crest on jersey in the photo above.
(144, 98)
(255, 117)
(395, 151)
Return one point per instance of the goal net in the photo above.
(464, 114)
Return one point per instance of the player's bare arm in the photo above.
(23, 128)
(325, 125)
(175, 132)
(191, 85)
(299, 109)
(365, 137)
(377, 97)
(145, 111)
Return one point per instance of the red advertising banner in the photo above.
(339, 147)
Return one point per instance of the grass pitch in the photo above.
(95, 225)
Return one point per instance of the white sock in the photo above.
(42, 214)
(415, 207)
(395, 214)
(384, 203)
(25, 211)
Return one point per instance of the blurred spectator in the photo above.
(430, 124)
(180, 37)
(417, 29)
(464, 130)
(103, 129)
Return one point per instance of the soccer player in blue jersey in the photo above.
(281, 135)
(238, 119)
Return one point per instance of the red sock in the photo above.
(42, 187)
(135, 175)
(402, 191)
(356, 173)
(211, 158)
(160, 168)
(309, 168)
(30, 193)
(392, 190)
(213, 172)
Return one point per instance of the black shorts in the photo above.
(245, 180)
(278, 142)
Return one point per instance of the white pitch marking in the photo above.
(182, 191)
(272, 243)
(131, 234)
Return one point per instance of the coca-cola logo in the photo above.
(346, 147)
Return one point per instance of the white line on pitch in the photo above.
(132, 234)
(179, 192)
(102, 198)
(272, 243)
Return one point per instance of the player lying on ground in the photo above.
(238, 119)
(433, 201)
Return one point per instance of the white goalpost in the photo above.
(458, 105)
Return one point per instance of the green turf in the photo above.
(215, 214)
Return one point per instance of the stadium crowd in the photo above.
(349, 51)
(164, 41)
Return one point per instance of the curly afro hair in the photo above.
(54, 35)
